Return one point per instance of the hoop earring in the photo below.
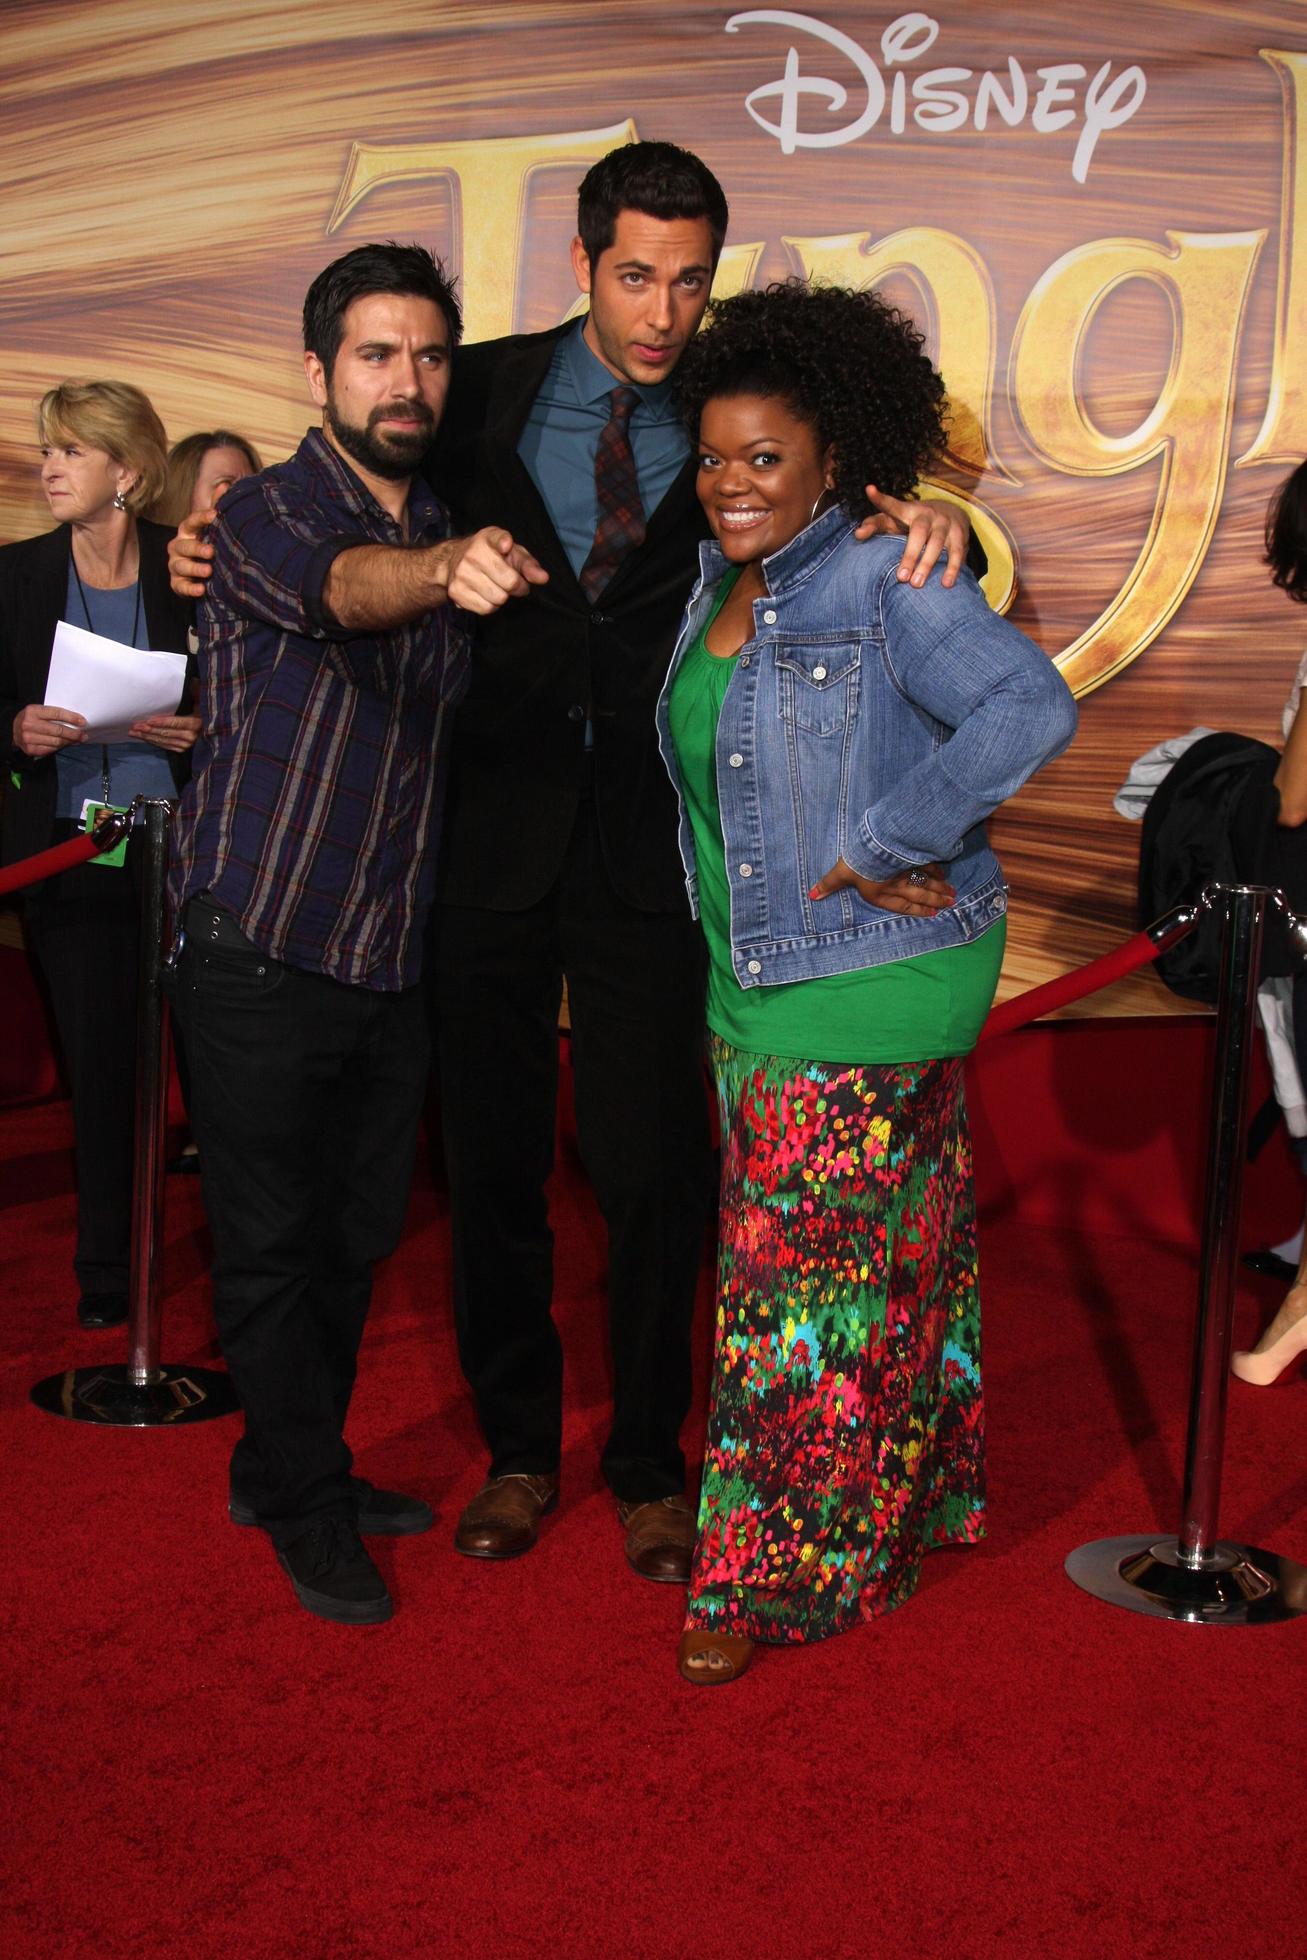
(829, 491)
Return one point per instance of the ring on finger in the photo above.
(917, 877)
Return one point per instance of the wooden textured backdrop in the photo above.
(1124, 352)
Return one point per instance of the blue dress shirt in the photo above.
(562, 434)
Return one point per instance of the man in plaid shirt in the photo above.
(302, 876)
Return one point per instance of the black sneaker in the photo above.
(333, 1575)
(102, 1309)
(382, 1513)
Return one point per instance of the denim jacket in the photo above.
(871, 720)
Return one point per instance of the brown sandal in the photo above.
(734, 1649)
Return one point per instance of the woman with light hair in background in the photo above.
(200, 468)
(104, 567)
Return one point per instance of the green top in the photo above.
(910, 1010)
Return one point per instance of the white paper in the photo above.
(111, 684)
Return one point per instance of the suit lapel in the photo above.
(678, 504)
(677, 500)
(517, 382)
(532, 525)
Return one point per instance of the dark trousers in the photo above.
(84, 930)
(635, 990)
(305, 1097)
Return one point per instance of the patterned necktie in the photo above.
(620, 525)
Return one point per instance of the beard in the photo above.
(394, 454)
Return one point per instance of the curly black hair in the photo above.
(845, 362)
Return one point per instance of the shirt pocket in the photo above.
(817, 684)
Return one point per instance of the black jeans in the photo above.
(636, 993)
(84, 930)
(305, 1098)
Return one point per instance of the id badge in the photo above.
(91, 815)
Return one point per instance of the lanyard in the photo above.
(90, 627)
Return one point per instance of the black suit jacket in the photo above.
(541, 664)
(33, 599)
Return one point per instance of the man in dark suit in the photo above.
(562, 861)
(560, 857)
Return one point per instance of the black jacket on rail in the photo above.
(33, 599)
(1215, 817)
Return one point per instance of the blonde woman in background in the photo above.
(103, 567)
(200, 468)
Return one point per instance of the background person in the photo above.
(1286, 553)
(104, 568)
(201, 468)
(836, 741)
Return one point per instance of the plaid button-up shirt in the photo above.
(313, 805)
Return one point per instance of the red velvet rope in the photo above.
(60, 857)
(1125, 958)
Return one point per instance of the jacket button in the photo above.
(755, 966)
(819, 673)
(601, 619)
(746, 871)
(769, 617)
(576, 712)
(745, 658)
(735, 761)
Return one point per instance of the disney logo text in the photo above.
(939, 101)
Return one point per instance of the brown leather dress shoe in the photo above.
(503, 1518)
(659, 1539)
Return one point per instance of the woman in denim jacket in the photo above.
(837, 742)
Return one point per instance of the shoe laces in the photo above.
(329, 1541)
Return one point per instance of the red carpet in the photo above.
(512, 1766)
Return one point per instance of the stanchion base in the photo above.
(108, 1396)
(1238, 1586)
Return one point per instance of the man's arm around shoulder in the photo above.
(266, 564)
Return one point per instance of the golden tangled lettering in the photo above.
(1185, 437)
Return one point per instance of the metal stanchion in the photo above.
(146, 1393)
(1197, 1575)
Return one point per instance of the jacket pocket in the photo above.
(817, 684)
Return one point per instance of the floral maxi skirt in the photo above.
(846, 1429)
